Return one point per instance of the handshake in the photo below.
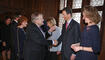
(55, 43)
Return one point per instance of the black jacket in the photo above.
(35, 43)
(68, 37)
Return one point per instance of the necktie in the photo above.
(66, 25)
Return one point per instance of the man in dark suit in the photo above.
(13, 32)
(35, 44)
(70, 35)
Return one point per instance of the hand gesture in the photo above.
(58, 52)
(52, 28)
(73, 56)
(55, 42)
(76, 48)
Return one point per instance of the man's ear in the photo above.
(69, 14)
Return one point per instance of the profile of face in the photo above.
(87, 20)
(40, 20)
(52, 27)
(49, 24)
(65, 15)
(24, 23)
(8, 21)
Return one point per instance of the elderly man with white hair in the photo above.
(35, 44)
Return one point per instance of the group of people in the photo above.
(13, 36)
(43, 40)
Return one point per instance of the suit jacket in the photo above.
(35, 43)
(13, 32)
(13, 42)
(68, 37)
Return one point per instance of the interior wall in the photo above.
(49, 8)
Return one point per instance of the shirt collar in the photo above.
(69, 21)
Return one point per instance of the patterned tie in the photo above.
(66, 25)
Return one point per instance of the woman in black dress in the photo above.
(90, 38)
(5, 37)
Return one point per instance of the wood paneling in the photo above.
(69, 3)
(49, 8)
(26, 7)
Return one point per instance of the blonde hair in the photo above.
(51, 20)
(92, 13)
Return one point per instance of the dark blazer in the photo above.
(13, 43)
(35, 44)
(20, 42)
(13, 30)
(5, 35)
(68, 37)
(90, 37)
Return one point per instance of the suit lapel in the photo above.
(70, 25)
(37, 28)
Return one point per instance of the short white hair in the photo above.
(35, 16)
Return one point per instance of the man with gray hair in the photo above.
(35, 44)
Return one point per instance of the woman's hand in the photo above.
(76, 48)
(52, 29)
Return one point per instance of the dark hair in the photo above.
(7, 17)
(68, 10)
(16, 16)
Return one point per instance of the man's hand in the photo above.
(58, 52)
(72, 57)
(55, 43)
